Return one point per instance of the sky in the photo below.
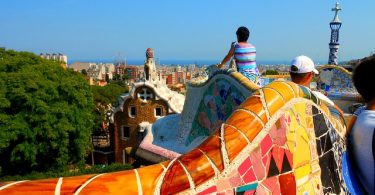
(185, 30)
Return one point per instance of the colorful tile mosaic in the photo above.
(336, 82)
(293, 148)
(219, 101)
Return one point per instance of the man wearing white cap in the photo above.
(302, 71)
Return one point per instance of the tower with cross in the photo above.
(334, 43)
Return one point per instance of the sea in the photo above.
(175, 62)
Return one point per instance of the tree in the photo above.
(270, 72)
(104, 98)
(84, 72)
(46, 114)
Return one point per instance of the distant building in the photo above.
(148, 100)
(132, 73)
(98, 74)
(191, 67)
(56, 57)
(79, 66)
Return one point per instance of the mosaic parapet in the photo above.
(342, 69)
(336, 82)
(206, 106)
(281, 140)
(233, 73)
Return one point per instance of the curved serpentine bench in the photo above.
(225, 88)
(281, 139)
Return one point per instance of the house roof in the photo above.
(174, 100)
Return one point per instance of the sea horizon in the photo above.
(182, 62)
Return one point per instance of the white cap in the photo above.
(302, 64)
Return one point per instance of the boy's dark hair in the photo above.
(363, 78)
(243, 34)
(295, 76)
(298, 75)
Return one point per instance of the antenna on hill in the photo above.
(125, 63)
(120, 59)
(115, 61)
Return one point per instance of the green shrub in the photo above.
(96, 169)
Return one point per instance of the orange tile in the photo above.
(283, 88)
(273, 99)
(175, 180)
(211, 146)
(71, 184)
(165, 163)
(39, 187)
(149, 176)
(254, 104)
(113, 183)
(234, 142)
(246, 123)
(198, 166)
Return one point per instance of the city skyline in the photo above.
(184, 30)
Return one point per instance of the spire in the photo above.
(335, 32)
(336, 10)
(150, 68)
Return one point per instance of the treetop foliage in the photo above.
(271, 72)
(46, 116)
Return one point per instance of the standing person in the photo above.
(245, 56)
(362, 136)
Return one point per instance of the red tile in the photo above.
(273, 132)
(235, 181)
(271, 183)
(261, 190)
(278, 155)
(281, 136)
(246, 164)
(265, 160)
(259, 170)
(289, 156)
(266, 144)
(255, 155)
(287, 184)
(252, 192)
(226, 192)
(249, 176)
(209, 190)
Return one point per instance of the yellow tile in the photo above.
(301, 110)
(306, 188)
(313, 150)
(317, 184)
(290, 133)
(309, 122)
(302, 173)
(301, 155)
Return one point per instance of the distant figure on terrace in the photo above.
(244, 55)
(362, 136)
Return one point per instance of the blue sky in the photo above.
(185, 30)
